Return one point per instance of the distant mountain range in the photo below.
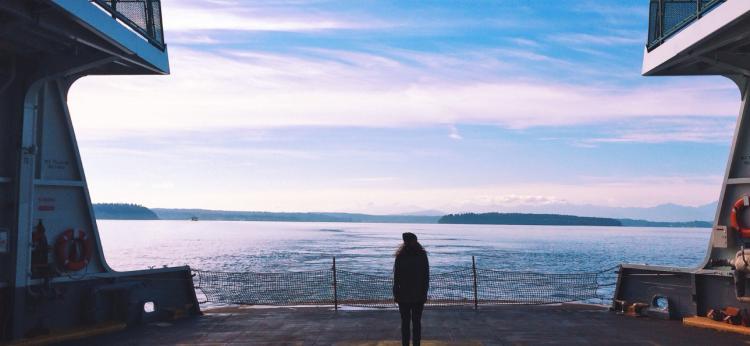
(526, 219)
(137, 212)
(659, 213)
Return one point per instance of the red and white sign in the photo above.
(46, 203)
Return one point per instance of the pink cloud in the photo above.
(250, 89)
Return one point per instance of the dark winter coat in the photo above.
(411, 277)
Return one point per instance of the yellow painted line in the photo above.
(398, 343)
(704, 322)
(72, 334)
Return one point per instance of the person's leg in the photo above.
(405, 311)
(416, 321)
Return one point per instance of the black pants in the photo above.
(411, 312)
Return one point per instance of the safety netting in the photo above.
(465, 287)
(143, 16)
(669, 16)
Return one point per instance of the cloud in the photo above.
(257, 17)
(504, 202)
(598, 39)
(663, 130)
(454, 134)
(601, 191)
(612, 9)
(614, 14)
(247, 75)
(190, 38)
(372, 180)
(525, 42)
(236, 89)
(605, 192)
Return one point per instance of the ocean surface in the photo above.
(368, 248)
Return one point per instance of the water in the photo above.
(288, 246)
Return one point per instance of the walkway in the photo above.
(565, 324)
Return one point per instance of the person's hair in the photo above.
(411, 247)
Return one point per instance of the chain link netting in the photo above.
(669, 16)
(464, 287)
(290, 288)
(143, 16)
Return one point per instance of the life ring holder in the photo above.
(77, 259)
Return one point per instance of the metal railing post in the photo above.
(150, 27)
(474, 270)
(660, 21)
(335, 289)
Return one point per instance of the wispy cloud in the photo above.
(608, 8)
(454, 134)
(386, 199)
(363, 79)
(191, 38)
(525, 42)
(603, 191)
(665, 130)
(598, 39)
(245, 16)
(253, 89)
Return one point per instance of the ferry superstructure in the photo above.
(53, 275)
(703, 38)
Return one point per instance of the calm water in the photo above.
(280, 246)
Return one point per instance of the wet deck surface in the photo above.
(566, 325)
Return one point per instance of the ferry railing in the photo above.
(667, 17)
(472, 286)
(141, 16)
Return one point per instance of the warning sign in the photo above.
(720, 237)
(46, 203)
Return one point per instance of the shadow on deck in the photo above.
(563, 324)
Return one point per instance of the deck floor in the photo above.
(565, 325)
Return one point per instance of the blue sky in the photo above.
(395, 107)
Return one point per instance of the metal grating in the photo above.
(142, 16)
(667, 17)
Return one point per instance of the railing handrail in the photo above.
(152, 33)
(335, 287)
(658, 33)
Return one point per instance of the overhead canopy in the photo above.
(708, 40)
(86, 33)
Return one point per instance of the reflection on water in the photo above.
(288, 246)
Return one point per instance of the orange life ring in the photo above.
(734, 222)
(73, 252)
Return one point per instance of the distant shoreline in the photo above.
(527, 219)
(118, 211)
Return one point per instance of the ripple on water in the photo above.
(279, 246)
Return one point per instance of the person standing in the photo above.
(411, 281)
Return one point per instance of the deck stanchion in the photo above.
(335, 290)
(474, 270)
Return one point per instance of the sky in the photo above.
(404, 106)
